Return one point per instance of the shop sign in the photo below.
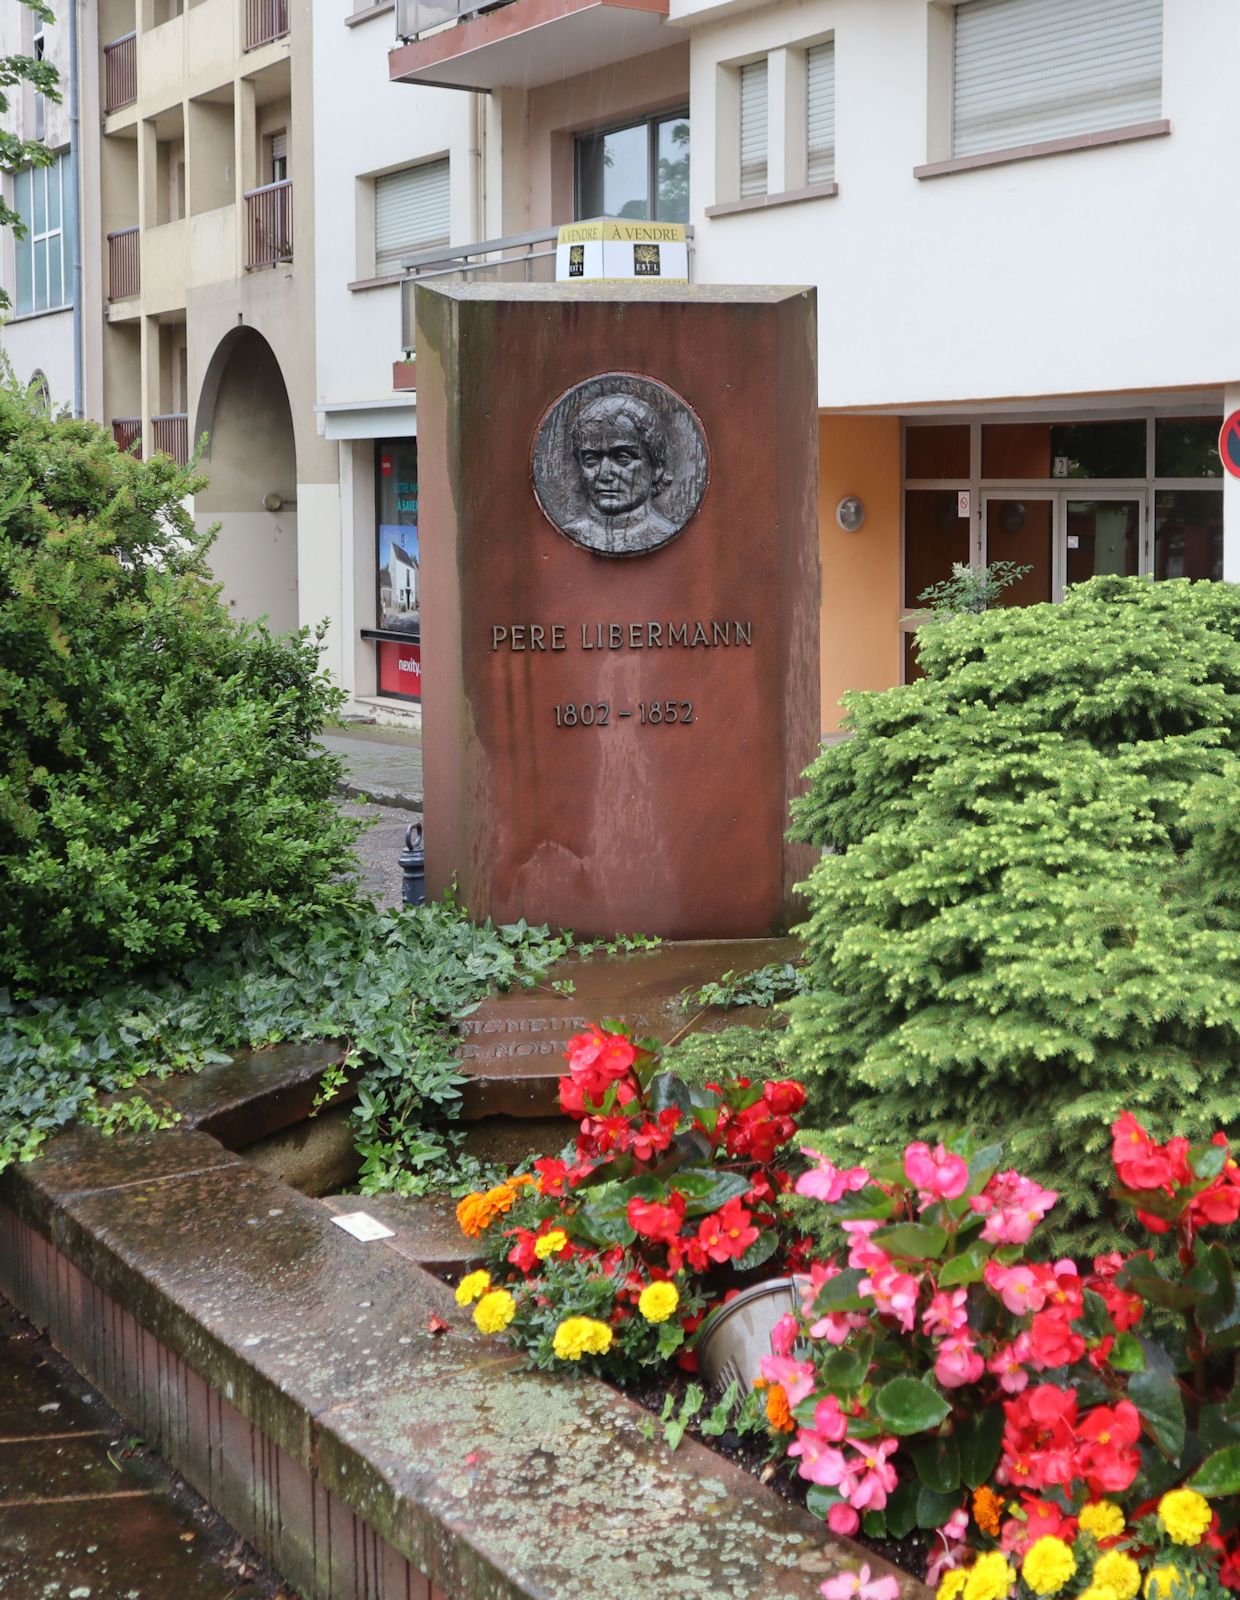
(400, 669)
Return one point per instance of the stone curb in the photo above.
(378, 795)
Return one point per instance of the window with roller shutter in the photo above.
(1029, 71)
(411, 213)
(820, 113)
(753, 129)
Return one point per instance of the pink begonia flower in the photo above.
(952, 1551)
(843, 1519)
(894, 1293)
(861, 1252)
(1008, 1364)
(937, 1173)
(821, 1462)
(957, 1362)
(860, 1586)
(1013, 1206)
(946, 1313)
(784, 1335)
(1017, 1287)
(827, 1182)
(829, 1420)
(875, 1476)
(836, 1325)
(795, 1377)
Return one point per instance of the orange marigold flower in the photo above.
(474, 1214)
(987, 1507)
(778, 1411)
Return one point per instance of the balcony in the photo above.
(524, 43)
(265, 20)
(127, 431)
(124, 263)
(269, 225)
(120, 73)
(170, 435)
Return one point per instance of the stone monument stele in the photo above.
(620, 596)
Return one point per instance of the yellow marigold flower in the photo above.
(550, 1244)
(987, 1507)
(1098, 1591)
(471, 1286)
(1048, 1565)
(581, 1336)
(951, 1584)
(657, 1301)
(1166, 1582)
(1185, 1514)
(989, 1578)
(1119, 1572)
(495, 1311)
(1103, 1519)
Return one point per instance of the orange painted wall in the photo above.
(860, 571)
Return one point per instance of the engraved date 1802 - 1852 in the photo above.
(597, 713)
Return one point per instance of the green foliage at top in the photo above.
(765, 986)
(160, 783)
(971, 590)
(754, 1053)
(386, 983)
(1029, 921)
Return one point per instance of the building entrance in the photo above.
(1064, 536)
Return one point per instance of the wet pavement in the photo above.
(382, 764)
(378, 847)
(87, 1511)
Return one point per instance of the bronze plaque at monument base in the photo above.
(619, 588)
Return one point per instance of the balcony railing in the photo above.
(127, 431)
(269, 224)
(124, 263)
(520, 258)
(120, 72)
(265, 20)
(170, 434)
(416, 17)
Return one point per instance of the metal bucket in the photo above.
(736, 1336)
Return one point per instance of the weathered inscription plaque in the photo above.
(620, 464)
(620, 601)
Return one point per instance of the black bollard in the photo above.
(413, 867)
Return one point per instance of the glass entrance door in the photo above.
(1063, 537)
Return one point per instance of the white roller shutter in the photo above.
(820, 113)
(1030, 70)
(753, 128)
(411, 213)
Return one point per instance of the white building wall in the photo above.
(1093, 271)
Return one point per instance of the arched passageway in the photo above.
(251, 464)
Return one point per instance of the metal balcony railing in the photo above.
(269, 224)
(124, 263)
(416, 17)
(265, 20)
(127, 431)
(170, 434)
(120, 72)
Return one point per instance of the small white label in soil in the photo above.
(363, 1227)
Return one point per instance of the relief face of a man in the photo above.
(620, 448)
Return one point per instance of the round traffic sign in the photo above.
(1229, 444)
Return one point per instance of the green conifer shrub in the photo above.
(159, 783)
(1031, 918)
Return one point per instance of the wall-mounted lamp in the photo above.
(272, 501)
(850, 513)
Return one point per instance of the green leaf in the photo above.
(901, 1508)
(762, 1249)
(1219, 1474)
(933, 1508)
(1156, 1395)
(819, 1499)
(912, 1240)
(907, 1406)
(1127, 1354)
(840, 1293)
(667, 1090)
(1095, 1322)
(874, 1523)
(938, 1464)
(1208, 1160)
(846, 1368)
(981, 1437)
(706, 1191)
(1145, 1279)
(965, 1268)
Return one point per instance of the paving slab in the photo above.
(424, 1227)
(382, 764)
(512, 1046)
(257, 1093)
(35, 1402)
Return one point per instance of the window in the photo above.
(411, 213)
(1026, 71)
(640, 170)
(820, 113)
(278, 156)
(753, 129)
(43, 197)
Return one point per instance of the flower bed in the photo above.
(1057, 1429)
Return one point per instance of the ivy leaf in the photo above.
(907, 1406)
